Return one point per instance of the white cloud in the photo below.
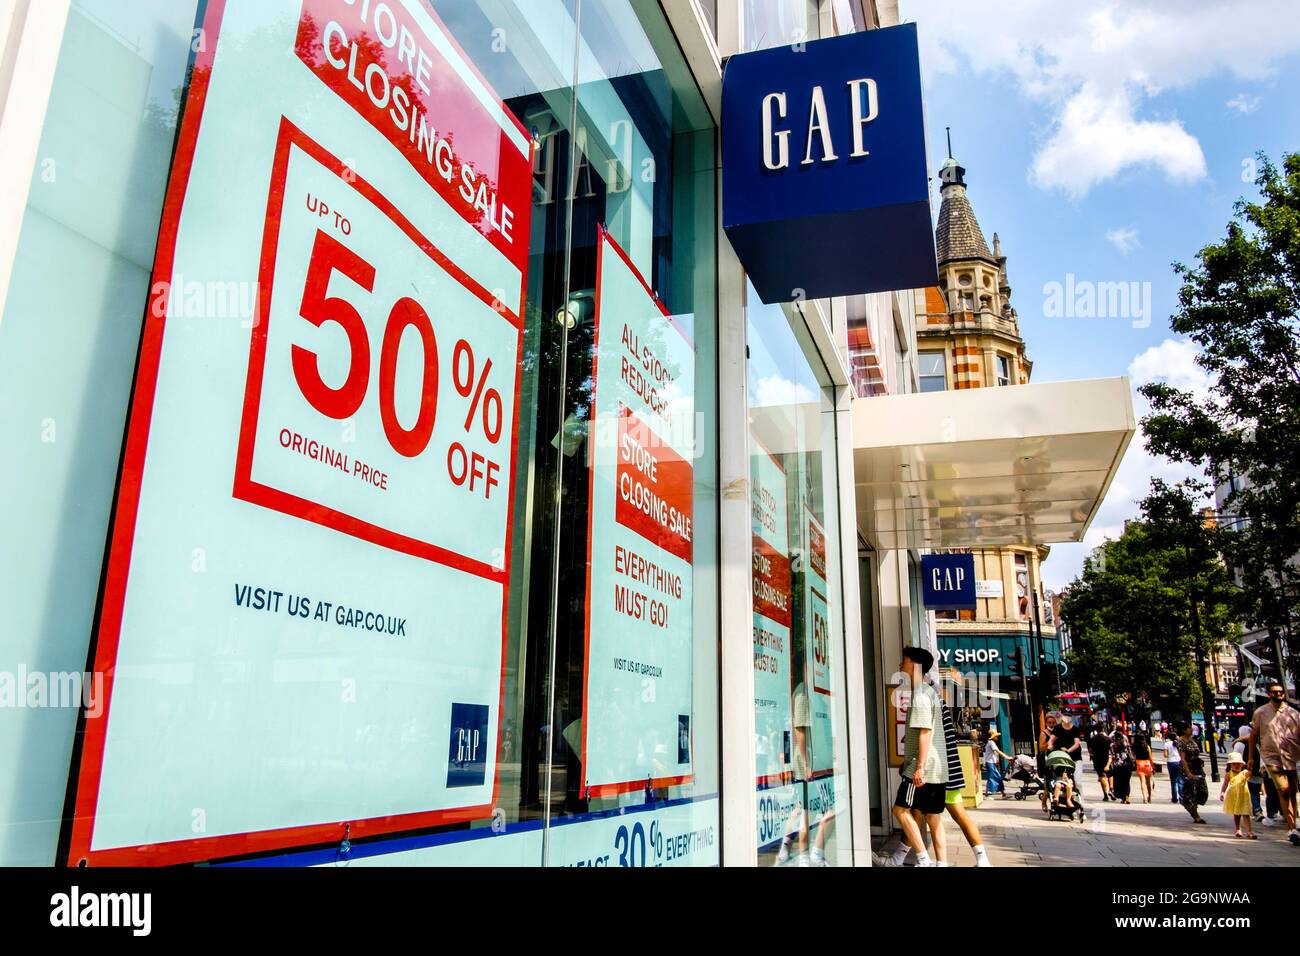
(779, 390)
(1172, 361)
(1098, 66)
(1096, 136)
(1123, 238)
(1243, 103)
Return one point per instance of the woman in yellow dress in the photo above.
(1235, 796)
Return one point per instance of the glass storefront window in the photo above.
(619, 618)
(801, 731)
(615, 700)
(604, 748)
(68, 341)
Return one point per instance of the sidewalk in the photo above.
(1018, 833)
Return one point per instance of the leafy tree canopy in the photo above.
(1239, 304)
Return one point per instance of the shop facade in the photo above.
(988, 696)
(407, 470)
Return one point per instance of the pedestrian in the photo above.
(953, 796)
(1236, 797)
(1040, 762)
(1143, 766)
(1121, 767)
(1049, 728)
(1242, 746)
(1275, 732)
(1174, 767)
(925, 764)
(1099, 754)
(1222, 736)
(1066, 737)
(993, 756)
(1193, 771)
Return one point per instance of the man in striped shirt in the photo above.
(953, 802)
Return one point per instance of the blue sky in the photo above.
(1107, 140)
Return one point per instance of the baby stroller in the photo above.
(1060, 769)
(1023, 770)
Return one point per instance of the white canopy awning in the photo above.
(1017, 465)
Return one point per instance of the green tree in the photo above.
(1239, 304)
(1131, 611)
(1194, 541)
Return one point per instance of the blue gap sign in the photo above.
(824, 176)
(948, 582)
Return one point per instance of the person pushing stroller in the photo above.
(1057, 735)
(1064, 796)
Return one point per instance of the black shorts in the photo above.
(929, 798)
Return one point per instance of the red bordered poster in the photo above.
(819, 672)
(640, 539)
(302, 632)
(772, 582)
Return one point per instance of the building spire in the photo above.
(957, 234)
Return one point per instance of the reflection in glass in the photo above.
(799, 681)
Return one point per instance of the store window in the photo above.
(801, 733)
(68, 341)
(930, 370)
(625, 554)
(548, 697)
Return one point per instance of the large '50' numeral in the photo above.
(328, 256)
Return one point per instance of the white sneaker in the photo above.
(982, 859)
(942, 863)
(883, 859)
(930, 863)
(783, 854)
(1271, 822)
(817, 858)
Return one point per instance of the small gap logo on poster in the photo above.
(127, 910)
(467, 752)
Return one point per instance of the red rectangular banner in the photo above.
(654, 488)
(388, 69)
(771, 577)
